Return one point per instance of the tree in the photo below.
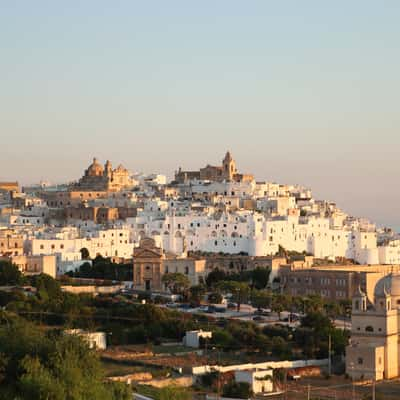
(177, 283)
(282, 252)
(260, 277)
(51, 366)
(237, 390)
(10, 275)
(261, 299)
(239, 290)
(174, 393)
(215, 276)
(85, 253)
(215, 298)
(47, 287)
(196, 293)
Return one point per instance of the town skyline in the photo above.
(321, 191)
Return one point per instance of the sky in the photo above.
(300, 92)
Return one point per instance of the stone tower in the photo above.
(108, 169)
(229, 167)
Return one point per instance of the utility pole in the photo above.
(308, 392)
(329, 355)
(373, 389)
(353, 395)
(285, 393)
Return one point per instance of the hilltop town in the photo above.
(216, 254)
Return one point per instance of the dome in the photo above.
(95, 168)
(390, 284)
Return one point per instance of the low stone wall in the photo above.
(184, 381)
(91, 289)
(265, 365)
(136, 377)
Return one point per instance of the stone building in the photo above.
(235, 263)
(37, 264)
(11, 244)
(147, 265)
(225, 172)
(373, 352)
(333, 282)
(99, 178)
(9, 186)
(150, 264)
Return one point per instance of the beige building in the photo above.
(373, 352)
(334, 282)
(34, 265)
(61, 199)
(11, 244)
(99, 178)
(9, 186)
(194, 269)
(234, 264)
(225, 172)
(150, 264)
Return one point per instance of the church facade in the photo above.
(225, 172)
(373, 352)
(104, 178)
(150, 264)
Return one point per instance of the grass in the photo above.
(171, 349)
(118, 368)
(112, 368)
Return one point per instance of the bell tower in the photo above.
(359, 301)
(229, 167)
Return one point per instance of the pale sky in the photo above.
(299, 91)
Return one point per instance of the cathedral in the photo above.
(373, 352)
(225, 172)
(99, 178)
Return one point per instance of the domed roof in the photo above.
(390, 284)
(95, 168)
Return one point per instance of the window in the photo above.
(360, 360)
(369, 329)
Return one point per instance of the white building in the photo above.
(95, 340)
(192, 338)
(259, 380)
